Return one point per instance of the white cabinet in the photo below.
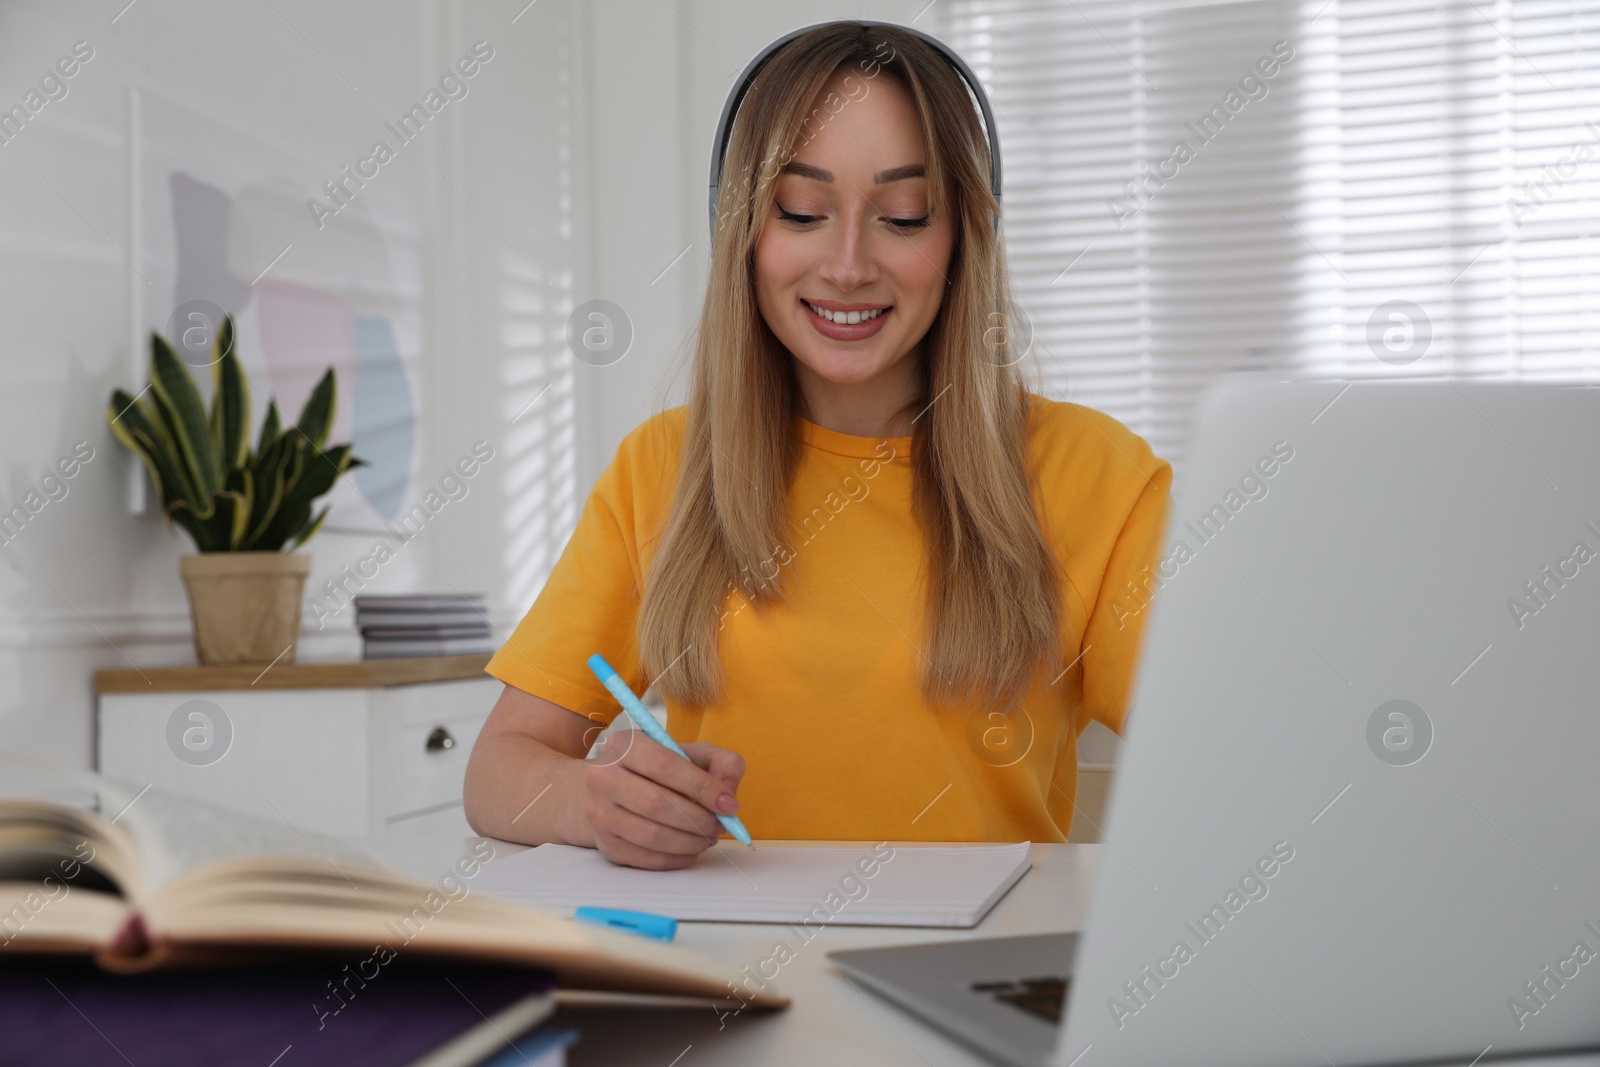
(376, 748)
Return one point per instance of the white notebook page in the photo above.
(908, 885)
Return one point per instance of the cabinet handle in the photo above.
(440, 740)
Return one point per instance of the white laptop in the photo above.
(1357, 814)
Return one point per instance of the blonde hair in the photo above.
(992, 610)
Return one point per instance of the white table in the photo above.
(831, 1021)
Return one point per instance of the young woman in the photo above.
(880, 585)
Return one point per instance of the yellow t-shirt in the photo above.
(821, 693)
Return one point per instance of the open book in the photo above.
(171, 883)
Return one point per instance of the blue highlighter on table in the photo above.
(655, 731)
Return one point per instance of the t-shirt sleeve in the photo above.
(1112, 635)
(589, 604)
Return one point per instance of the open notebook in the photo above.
(867, 885)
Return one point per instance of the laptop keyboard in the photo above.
(1042, 997)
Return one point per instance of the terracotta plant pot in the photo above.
(245, 606)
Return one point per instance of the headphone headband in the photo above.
(719, 143)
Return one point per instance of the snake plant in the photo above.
(228, 497)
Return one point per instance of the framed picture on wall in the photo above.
(317, 269)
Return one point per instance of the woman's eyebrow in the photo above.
(883, 177)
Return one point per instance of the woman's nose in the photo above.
(848, 261)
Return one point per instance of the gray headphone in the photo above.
(719, 143)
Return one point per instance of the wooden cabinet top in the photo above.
(358, 674)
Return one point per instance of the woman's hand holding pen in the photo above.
(648, 807)
(636, 801)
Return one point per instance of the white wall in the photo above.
(87, 585)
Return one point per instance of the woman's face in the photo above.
(864, 240)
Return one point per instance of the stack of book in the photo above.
(423, 625)
(125, 941)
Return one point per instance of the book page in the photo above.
(57, 913)
(141, 838)
(179, 834)
(52, 825)
(39, 842)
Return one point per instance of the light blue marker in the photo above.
(660, 927)
(655, 731)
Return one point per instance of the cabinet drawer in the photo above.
(423, 765)
(422, 736)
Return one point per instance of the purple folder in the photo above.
(67, 1013)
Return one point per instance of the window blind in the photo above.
(1410, 190)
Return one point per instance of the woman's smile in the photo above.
(845, 322)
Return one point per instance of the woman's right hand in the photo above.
(639, 804)
(646, 806)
